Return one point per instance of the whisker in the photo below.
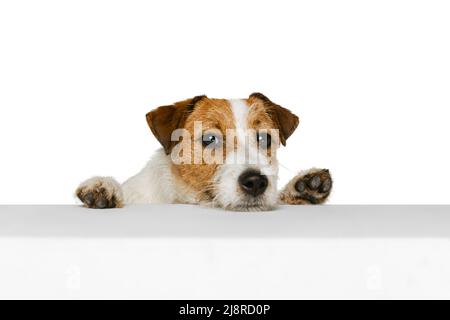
(284, 167)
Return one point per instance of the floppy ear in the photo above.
(164, 120)
(284, 119)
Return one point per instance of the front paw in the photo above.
(310, 187)
(100, 193)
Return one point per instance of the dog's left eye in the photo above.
(264, 139)
(210, 140)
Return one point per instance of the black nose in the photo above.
(253, 182)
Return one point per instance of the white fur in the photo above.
(157, 184)
(154, 184)
(240, 112)
(244, 158)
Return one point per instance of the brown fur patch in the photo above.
(215, 114)
(283, 119)
(164, 120)
(260, 119)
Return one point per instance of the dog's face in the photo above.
(224, 151)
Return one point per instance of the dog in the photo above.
(215, 152)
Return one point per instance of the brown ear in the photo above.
(284, 119)
(164, 120)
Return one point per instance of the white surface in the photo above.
(369, 80)
(192, 252)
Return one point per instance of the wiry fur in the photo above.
(101, 192)
(161, 181)
(231, 197)
(311, 186)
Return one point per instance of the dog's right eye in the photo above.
(210, 140)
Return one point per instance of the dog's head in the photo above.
(224, 151)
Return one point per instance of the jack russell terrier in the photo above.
(215, 152)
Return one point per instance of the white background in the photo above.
(370, 81)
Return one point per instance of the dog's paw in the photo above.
(100, 193)
(310, 187)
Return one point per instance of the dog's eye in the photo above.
(210, 140)
(264, 139)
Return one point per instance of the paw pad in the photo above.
(312, 187)
(319, 180)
